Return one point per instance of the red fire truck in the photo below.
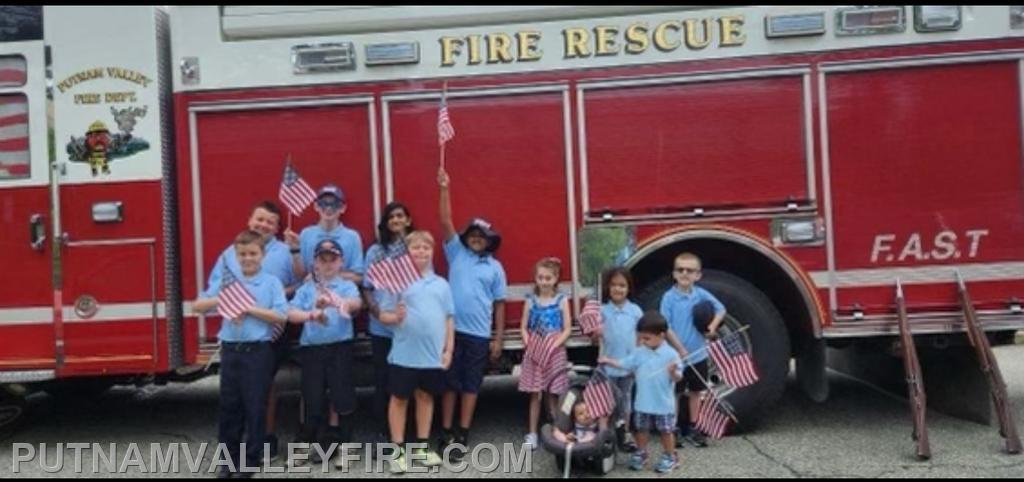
(810, 155)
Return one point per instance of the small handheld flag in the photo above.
(294, 192)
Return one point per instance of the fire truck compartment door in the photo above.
(26, 292)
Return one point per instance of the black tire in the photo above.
(999, 338)
(78, 388)
(767, 339)
(12, 413)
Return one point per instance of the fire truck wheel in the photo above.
(78, 388)
(1007, 337)
(12, 412)
(767, 337)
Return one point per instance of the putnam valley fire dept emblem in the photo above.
(98, 147)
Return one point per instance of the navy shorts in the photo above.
(469, 361)
(403, 381)
(691, 380)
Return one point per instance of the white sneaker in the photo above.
(531, 441)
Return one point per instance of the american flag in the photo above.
(332, 298)
(393, 274)
(233, 299)
(445, 130)
(599, 397)
(590, 317)
(14, 146)
(294, 192)
(733, 360)
(542, 347)
(710, 418)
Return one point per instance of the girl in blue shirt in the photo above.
(618, 339)
(545, 326)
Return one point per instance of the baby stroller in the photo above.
(597, 455)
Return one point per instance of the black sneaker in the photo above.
(223, 472)
(274, 449)
(461, 438)
(697, 438)
(624, 440)
(446, 438)
(679, 438)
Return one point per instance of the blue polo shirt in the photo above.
(277, 262)
(677, 308)
(655, 390)
(338, 326)
(349, 240)
(419, 338)
(619, 338)
(268, 293)
(382, 298)
(477, 282)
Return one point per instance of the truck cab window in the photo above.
(14, 152)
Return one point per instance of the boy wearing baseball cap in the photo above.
(330, 205)
(324, 305)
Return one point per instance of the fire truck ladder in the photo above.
(915, 382)
(990, 367)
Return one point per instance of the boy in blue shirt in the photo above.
(677, 306)
(247, 359)
(265, 219)
(324, 305)
(421, 349)
(330, 205)
(478, 286)
(656, 368)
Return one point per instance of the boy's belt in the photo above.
(243, 346)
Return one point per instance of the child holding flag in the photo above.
(330, 205)
(251, 302)
(656, 367)
(478, 285)
(677, 306)
(618, 339)
(545, 326)
(421, 349)
(395, 224)
(324, 305)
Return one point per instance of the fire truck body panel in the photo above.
(897, 154)
(96, 304)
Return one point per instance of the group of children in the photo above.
(434, 338)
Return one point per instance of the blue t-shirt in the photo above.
(677, 308)
(349, 240)
(544, 319)
(419, 339)
(655, 390)
(268, 293)
(619, 337)
(338, 326)
(383, 299)
(277, 262)
(477, 282)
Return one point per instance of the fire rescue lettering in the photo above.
(943, 247)
(602, 40)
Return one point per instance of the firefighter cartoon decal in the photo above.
(98, 147)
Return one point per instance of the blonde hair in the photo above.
(248, 236)
(549, 262)
(419, 235)
(689, 256)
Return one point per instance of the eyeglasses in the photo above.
(328, 203)
(687, 270)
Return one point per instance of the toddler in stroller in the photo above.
(578, 438)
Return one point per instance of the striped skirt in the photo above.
(544, 373)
